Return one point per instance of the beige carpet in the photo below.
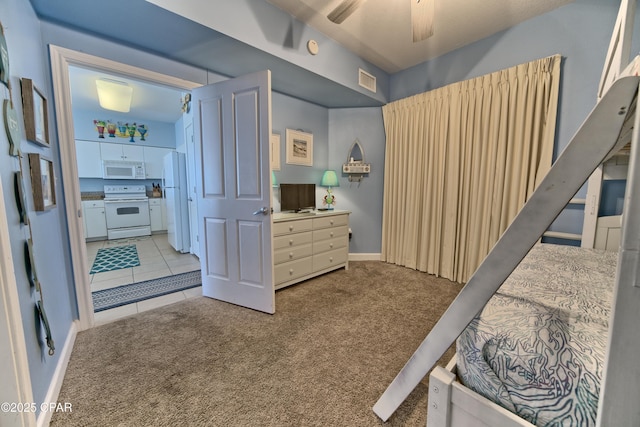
(323, 359)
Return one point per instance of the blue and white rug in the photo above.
(115, 258)
(140, 291)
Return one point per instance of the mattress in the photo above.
(538, 346)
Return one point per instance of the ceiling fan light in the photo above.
(344, 10)
(114, 95)
(422, 12)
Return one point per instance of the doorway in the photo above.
(61, 60)
(133, 268)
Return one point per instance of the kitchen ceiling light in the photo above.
(114, 95)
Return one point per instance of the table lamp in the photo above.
(329, 179)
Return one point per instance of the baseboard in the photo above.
(44, 418)
(364, 257)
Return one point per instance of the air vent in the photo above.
(366, 80)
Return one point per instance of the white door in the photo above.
(232, 126)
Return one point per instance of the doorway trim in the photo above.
(61, 59)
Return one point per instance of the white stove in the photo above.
(125, 192)
(127, 211)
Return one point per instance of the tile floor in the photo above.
(157, 259)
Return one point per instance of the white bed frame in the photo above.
(453, 404)
(613, 122)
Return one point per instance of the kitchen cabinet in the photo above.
(153, 161)
(95, 220)
(89, 159)
(307, 246)
(157, 213)
(129, 153)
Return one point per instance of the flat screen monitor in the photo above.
(296, 197)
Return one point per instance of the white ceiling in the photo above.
(149, 101)
(379, 31)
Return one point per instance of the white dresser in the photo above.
(309, 245)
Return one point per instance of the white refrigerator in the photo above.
(175, 191)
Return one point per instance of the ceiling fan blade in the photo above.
(422, 13)
(344, 10)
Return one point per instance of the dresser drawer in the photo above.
(291, 240)
(287, 227)
(330, 221)
(329, 244)
(292, 270)
(329, 259)
(330, 233)
(290, 254)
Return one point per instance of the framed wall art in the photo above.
(275, 152)
(4, 58)
(34, 108)
(299, 148)
(42, 182)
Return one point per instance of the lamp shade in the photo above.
(330, 179)
(114, 95)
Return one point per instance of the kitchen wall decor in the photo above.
(122, 130)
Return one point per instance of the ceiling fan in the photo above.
(422, 12)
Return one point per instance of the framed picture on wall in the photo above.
(34, 108)
(275, 152)
(299, 148)
(42, 182)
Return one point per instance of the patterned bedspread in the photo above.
(538, 346)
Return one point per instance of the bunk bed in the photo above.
(537, 349)
(610, 382)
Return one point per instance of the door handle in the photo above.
(264, 211)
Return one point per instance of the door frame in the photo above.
(61, 58)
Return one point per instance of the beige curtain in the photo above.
(460, 163)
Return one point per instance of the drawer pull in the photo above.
(331, 245)
(291, 228)
(331, 234)
(290, 271)
(290, 255)
(331, 222)
(290, 242)
(330, 259)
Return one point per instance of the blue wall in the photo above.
(291, 113)
(364, 200)
(48, 229)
